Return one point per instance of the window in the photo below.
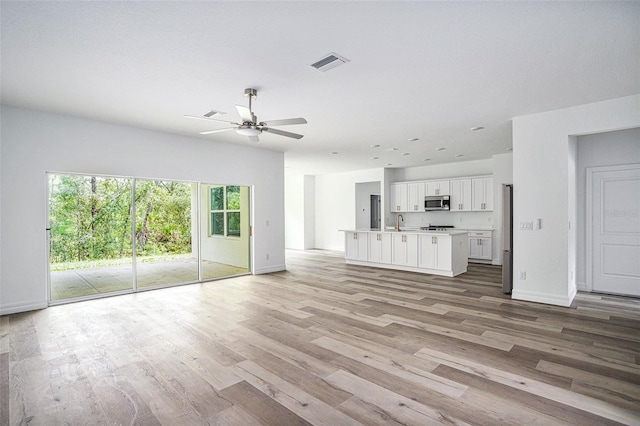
(225, 211)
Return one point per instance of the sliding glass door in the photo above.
(165, 252)
(90, 240)
(115, 235)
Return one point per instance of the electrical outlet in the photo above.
(523, 275)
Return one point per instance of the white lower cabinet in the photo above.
(480, 245)
(435, 252)
(380, 247)
(356, 245)
(405, 249)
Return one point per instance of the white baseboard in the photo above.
(533, 296)
(15, 308)
(270, 269)
(582, 286)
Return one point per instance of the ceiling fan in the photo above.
(250, 126)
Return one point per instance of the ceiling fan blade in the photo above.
(285, 122)
(209, 132)
(196, 117)
(282, 133)
(254, 139)
(245, 114)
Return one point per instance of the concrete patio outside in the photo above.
(92, 281)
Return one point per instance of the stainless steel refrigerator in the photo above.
(507, 238)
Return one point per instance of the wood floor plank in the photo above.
(582, 402)
(450, 332)
(592, 384)
(304, 379)
(304, 405)
(392, 366)
(399, 408)
(261, 406)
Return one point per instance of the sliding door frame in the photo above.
(134, 283)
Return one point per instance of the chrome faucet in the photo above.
(398, 222)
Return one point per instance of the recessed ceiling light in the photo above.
(440, 149)
(388, 164)
(374, 146)
(405, 153)
(426, 159)
(414, 139)
(475, 129)
(391, 149)
(333, 153)
(459, 155)
(375, 158)
(509, 149)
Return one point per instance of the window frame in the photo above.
(225, 211)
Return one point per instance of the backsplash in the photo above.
(467, 220)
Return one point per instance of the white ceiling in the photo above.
(427, 70)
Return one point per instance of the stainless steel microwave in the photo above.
(438, 202)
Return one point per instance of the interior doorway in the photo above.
(376, 217)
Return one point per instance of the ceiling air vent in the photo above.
(329, 61)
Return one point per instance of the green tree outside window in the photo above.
(225, 211)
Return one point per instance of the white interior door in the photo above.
(615, 229)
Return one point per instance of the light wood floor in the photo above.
(324, 343)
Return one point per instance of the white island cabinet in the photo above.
(355, 245)
(404, 251)
(379, 247)
(427, 252)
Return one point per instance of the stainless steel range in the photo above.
(437, 227)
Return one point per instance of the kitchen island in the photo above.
(428, 252)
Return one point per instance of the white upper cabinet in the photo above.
(461, 195)
(415, 196)
(437, 187)
(482, 190)
(398, 199)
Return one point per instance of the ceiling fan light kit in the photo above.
(248, 130)
(250, 126)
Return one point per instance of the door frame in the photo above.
(589, 216)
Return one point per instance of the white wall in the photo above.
(34, 143)
(294, 211)
(336, 205)
(447, 170)
(300, 212)
(542, 185)
(228, 250)
(309, 212)
(601, 149)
